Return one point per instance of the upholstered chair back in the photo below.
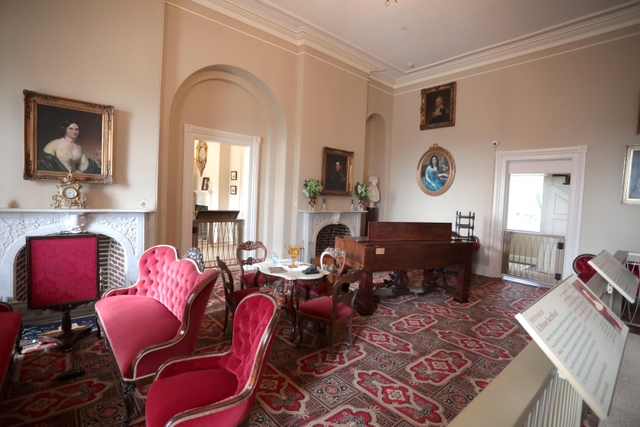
(252, 333)
(167, 279)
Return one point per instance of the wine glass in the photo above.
(294, 250)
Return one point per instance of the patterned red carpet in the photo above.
(418, 360)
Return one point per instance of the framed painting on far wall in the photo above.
(64, 135)
(337, 172)
(438, 107)
(631, 177)
(436, 171)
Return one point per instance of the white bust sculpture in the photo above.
(373, 189)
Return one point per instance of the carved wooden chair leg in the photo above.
(128, 391)
(300, 325)
(226, 318)
(99, 331)
(331, 353)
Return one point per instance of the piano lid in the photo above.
(389, 231)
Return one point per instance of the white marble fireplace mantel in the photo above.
(133, 229)
(311, 222)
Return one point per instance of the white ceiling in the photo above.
(412, 40)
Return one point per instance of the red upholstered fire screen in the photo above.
(62, 270)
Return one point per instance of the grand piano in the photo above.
(403, 246)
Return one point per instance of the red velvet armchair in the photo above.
(217, 389)
(157, 318)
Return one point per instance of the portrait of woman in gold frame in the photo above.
(64, 135)
(436, 171)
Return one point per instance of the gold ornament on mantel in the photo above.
(69, 194)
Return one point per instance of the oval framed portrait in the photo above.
(436, 171)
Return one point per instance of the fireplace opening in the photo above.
(111, 259)
(327, 236)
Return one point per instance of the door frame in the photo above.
(577, 156)
(192, 133)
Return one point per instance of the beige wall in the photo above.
(240, 80)
(585, 97)
(100, 52)
(164, 64)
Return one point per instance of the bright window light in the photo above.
(525, 202)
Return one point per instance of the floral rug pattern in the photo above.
(419, 360)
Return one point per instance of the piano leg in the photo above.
(364, 299)
(401, 284)
(461, 292)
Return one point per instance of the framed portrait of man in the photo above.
(64, 135)
(438, 107)
(337, 172)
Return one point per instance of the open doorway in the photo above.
(535, 234)
(566, 161)
(232, 173)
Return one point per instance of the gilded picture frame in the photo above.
(64, 135)
(436, 171)
(638, 125)
(201, 156)
(438, 106)
(337, 172)
(631, 177)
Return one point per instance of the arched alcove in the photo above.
(376, 154)
(228, 99)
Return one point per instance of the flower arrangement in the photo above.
(312, 187)
(362, 191)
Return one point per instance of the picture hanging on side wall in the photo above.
(337, 172)
(205, 183)
(438, 106)
(201, 156)
(64, 135)
(233, 190)
(638, 126)
(436, 171)
(631, 177)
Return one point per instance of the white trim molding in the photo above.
(576, 156)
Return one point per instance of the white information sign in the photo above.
(583, 339)
(616, 274)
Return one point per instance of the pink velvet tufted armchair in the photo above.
(217, 389)
(157, 318)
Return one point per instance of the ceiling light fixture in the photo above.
(386, 3)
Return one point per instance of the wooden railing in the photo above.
(218, 238)
(533, 256)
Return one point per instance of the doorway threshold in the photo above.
(525, 281)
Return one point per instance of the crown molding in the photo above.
(304, 33)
